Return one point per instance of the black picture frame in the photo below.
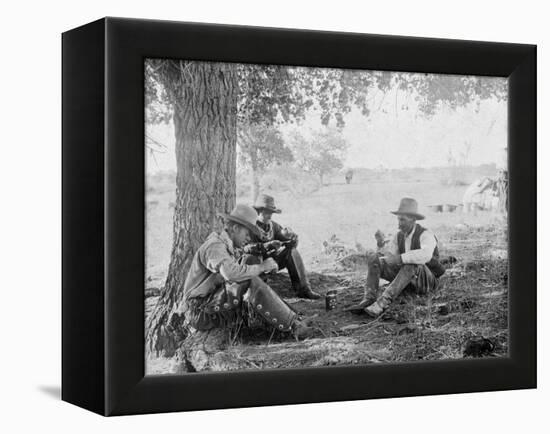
(103, 215)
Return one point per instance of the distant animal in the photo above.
(349, 176)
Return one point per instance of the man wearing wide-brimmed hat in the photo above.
(219, 291)
(410, 260)
(280, 244)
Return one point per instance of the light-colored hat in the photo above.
(408, 207)
(243, 215)
(265, 201)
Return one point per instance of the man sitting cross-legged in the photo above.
(411, 259)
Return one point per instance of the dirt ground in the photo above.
(470, 304)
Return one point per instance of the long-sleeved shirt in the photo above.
(423, 255)
(215, 263)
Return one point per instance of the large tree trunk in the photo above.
(204, 97)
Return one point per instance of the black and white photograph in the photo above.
(299, 217)
(280, 217)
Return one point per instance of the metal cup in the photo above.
(330, 299)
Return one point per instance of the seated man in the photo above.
(274, 242)
(219, 291)
(412, 258)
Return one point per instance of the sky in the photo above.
(396, 135)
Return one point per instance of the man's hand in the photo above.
(254, 249)
(380, 238)
(270, 266)
(273, 245)
(292, 238)
(392, 259)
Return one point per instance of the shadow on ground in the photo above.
(51, 391)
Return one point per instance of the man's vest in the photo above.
(433, 264)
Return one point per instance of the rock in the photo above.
(442, 309)
(477, 347)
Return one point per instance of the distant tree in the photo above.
(259, 147)
(321, 153)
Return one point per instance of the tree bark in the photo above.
(204, 97)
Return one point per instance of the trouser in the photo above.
(289, 258)
(245, 301)
(417, 278)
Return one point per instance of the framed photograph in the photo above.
(258, 216)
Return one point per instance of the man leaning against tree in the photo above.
(220, 291)
(410, 260)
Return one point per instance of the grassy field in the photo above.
(471, 301)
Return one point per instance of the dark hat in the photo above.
(265, 201)
(243, 215)
(409, 207)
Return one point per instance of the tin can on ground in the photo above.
(330, 299)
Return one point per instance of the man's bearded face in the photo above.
(405, 223)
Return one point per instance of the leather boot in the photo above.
(378, 307)
(403, 278)
(360, 307)
(298, 276)
(272, 308)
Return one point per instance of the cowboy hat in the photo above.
(243, 215)
(265, 201)
(408, 207)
